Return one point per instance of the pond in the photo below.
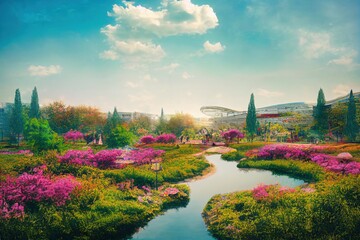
(187, 223)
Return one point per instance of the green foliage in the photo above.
(331, 212)
(17, 117)
(179, 122)
(241, 148)
(115, 119)
(305, 170)
(40, 137)
(141, 125)
(34, 106)
(17, 164)
(321, 114)
(251, 118)
(120, 137)
(351, 126)
(233, 156)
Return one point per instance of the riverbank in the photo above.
(226, 178)
(110, 203)
(326, 209)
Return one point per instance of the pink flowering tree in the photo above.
(107, 158)
(166, 138)
(143, 156)
(232, 134)
(73, 136)
(148, 139)
(16, 193)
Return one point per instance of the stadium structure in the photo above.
(280, 113)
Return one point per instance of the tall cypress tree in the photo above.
(116, 120)
(17, 118)
(251, 118)
(34, 106)
(351, 125)
(320, 114)
(162, 115)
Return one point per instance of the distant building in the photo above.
(128, 116)
(280, 113)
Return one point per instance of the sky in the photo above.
(178, 55)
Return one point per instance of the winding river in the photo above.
(187, 223)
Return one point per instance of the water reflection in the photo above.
(187, 223)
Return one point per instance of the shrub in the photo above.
(166, 138)
(148, 139)
(232, 134)
(144, 156)
(73, 135)
(15, 193)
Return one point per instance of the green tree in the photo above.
(321, 114)
(251, 118)
(179, 122)
(40, 136)
(337, 116)
(161, 127)
(120, 137)
(141, 125)
(351, 126)
(34, 106)
(116, 120)
(17, 117)
(108, 125)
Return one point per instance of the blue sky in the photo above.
(179, 55)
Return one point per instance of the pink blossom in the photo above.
(232, 134)
(148, 139)
(73, 135)
(15, 193)
(166, 138)
(260, 192)
(170, 191)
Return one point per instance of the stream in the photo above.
(187, 223)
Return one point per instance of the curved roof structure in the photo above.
(218, 112)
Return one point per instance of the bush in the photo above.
(332, 211)
(40, 136)
(166, 138)
(120, 137)
(147, 139)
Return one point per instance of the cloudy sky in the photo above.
(179, 55)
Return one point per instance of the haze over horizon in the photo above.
(178, 55)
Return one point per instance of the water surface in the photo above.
(187, 223)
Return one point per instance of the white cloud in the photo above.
(43, 71)
(347, 59)
(173, 17)
(266, 93)
(341, 89)
(315, 45)
(186, 75)
(131, 39)
(132, 49)
(213, 48)
(109, 54)
(170, 68)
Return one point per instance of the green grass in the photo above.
(331, 212)
(99, 210)
(307, 171)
